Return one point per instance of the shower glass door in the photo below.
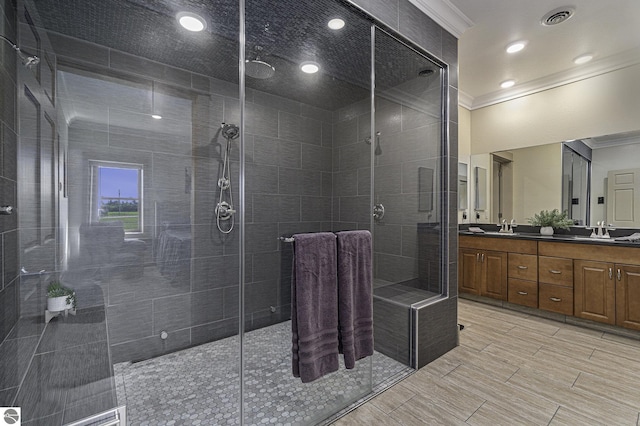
(121, 151)
(407, 148)
(306, 116)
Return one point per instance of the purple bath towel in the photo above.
(314, 306)
(355, 296)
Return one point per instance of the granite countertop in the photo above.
(575, 235)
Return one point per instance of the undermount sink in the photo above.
(503, 234)
(604, 240)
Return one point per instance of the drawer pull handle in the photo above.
(610, 273)
(523, 293)
(553, 271)
(555, 299)
(619, 275)
(522, 267)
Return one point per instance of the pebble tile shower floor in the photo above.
(200, 385)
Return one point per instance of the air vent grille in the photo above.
(557, 16)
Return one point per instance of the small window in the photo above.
(117, 194)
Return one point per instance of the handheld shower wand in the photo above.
(224, 209)
(27, 60)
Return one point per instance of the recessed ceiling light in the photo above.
(309, 67)
(335, 24)
(191, 21)
(156, 116)
(583, 59)
(516, 47)
(507, 83)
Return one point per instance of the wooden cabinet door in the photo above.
(494, 274)
(595, 292)
(469, 269)
(628, 296)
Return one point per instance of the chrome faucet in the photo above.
(601, 230)
(507, 227)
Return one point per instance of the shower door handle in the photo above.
(378, 212)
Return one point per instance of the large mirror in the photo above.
(524, 181)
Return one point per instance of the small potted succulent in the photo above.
(549, 220)
(59, 297)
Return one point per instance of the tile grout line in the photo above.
(514, 373)
(476, 410)
(574, 382)
(554, 415)
(24, 376)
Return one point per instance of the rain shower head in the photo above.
(27, 60)
(259, 69)
(256, 68)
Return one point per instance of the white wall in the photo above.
(464, 153)
(605, 104)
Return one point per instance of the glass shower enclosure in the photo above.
(161, 170)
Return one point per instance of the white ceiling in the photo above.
(608, 29)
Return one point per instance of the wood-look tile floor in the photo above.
(512, 369)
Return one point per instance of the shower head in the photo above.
(259, 69)
(230, 131)
(425, 72)
(27, 60)
(256, 68)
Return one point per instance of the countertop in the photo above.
(559, 238)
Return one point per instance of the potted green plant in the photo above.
(59, 297)
(549, 220)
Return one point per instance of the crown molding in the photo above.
(446, 15)
(593, 69)
(465, 100)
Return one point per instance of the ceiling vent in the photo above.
(557, 16)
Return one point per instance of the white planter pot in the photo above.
(546, 230)
(57, 304)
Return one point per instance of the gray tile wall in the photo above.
(9, 294)
(197, 301)
(288, 190)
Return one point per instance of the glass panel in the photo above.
(138, 112)
(293, 144)
(408, 170)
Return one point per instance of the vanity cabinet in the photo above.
(556, 292)
(591, 281)
(483, 264)
(595, 291)
(606, 281)
(483, 273)
(628, 296)
(522, 282)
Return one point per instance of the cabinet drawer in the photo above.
(555, 270)
(555, 298)
(523, 292)
(523, 266)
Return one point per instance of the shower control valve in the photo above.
(378, 212)
(224, 211)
